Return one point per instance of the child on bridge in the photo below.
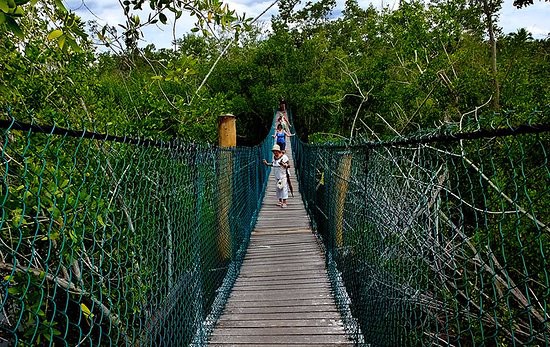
(279, 163)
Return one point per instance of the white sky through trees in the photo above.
(534, 18)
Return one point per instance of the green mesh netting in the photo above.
(115, 241)
(439, 240)
(431, 241)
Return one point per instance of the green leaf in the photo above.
(60, 6)
(61, 41)
(14, 27)
(71, 42)
(4, 6)
(100, 220)
(54, 236)
(162, 18)
(19, 12)
(72, 235)
(55, 34)
(2, 17)
(86, 311)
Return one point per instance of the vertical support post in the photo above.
(342, 181)
(227, 132)
(198, 287)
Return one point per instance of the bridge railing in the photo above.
(436, 240)
(109, 240)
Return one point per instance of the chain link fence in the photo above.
(108, 240)
(441, 239)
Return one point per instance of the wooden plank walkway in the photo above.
(282, 296)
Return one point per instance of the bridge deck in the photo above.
(282, 296)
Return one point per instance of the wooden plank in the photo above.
(279, 330)
(288, 252)
(291, 300)
(283, 226)
(313, 340)
(258, 258)
(264, 239)
(280, 286)
(275, 268)
(278, 262)
(267, 259)
(281, 277)
(271, 275)
(282, 254)
(281, 232)
(280, 308)
(303, 253)
(281, 316)
(282, 293)
(300, 303)
(299, 234)
(279, 280)
(274, 254)
(288, 248)
(266, 323)
(260, 272)
(274, 282)
(265, 246)
(272, 241)
(277, 344)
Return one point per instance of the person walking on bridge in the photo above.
(279, 163)
(281, 135)
(281, 119)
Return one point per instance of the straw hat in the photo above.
(276, 148)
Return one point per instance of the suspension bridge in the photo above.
(436, 239)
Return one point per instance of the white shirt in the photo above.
(278, 170)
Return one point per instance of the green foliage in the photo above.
(442, 242)
(367, 74)
(110, 243)
(522, 3)
(68, 33)
(68, 30)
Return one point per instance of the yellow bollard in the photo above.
(227, 132)
(342, 180)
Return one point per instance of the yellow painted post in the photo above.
(227, 132)
(342, 180)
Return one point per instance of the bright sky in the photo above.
(534, 18)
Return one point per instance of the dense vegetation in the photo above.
(365, 73)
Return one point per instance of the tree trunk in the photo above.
(493, 43)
